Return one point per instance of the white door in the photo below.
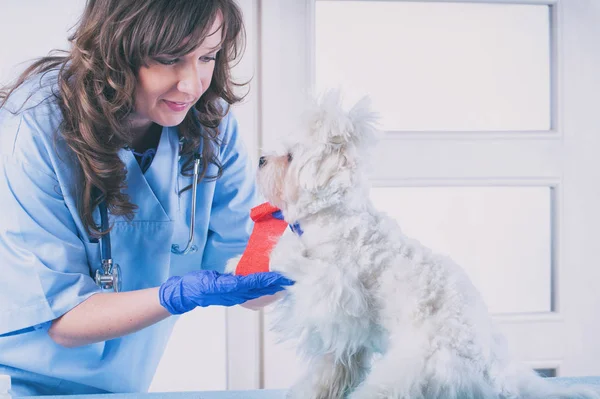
(490, 155)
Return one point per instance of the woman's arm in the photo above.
(105, 316)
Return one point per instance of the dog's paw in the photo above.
(304, 391)
(291, 395)
(303, 395)
(232, 264)
(295, 393)
(372, 392)
(309, 391)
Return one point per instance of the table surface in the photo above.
(256, 394)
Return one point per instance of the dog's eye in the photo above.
(290, 157)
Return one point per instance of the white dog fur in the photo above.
(375, 313)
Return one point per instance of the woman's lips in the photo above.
(176, 106)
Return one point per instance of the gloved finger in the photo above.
(264, 279)
(255, 293)
(207, 281)
(212, 282)
(224, 283)
(258, 292)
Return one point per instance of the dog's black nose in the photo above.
(262, 161)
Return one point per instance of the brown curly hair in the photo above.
(97, 80)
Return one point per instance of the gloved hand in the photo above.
(207, 287)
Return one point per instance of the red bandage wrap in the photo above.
(265, 234)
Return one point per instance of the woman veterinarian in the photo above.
(103, 233)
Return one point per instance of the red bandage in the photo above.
(265, 234)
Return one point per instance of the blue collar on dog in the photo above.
(294, 227)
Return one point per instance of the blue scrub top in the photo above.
(47, 259)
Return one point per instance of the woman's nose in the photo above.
(262, 161)
(190, 82)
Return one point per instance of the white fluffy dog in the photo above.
(377, 314)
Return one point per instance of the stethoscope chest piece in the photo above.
(109, 276)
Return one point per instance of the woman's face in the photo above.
(168, 87)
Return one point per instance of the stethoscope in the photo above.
(109, 276)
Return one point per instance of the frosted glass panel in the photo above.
(439, 66)
(501, 236)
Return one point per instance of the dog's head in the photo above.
(320, 165)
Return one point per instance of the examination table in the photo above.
(256, 394)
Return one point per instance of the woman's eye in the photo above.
(167, 61)
(290, 157)
(207, 58)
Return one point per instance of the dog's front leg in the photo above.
(327, 378)
(323, 380)
(232, 263)
(398, 373)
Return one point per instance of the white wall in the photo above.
(31, 28)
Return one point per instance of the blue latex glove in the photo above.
(208, 287)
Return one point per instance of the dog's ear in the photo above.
(364, 123)
(332, 125)
(333, 172)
